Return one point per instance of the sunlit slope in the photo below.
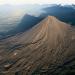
(44, 49)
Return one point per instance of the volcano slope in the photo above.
(46, 49)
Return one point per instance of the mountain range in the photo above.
(23, 17)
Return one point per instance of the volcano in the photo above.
(48, 48)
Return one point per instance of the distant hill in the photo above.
(26, 23)
(65, 13)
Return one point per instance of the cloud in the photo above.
(37, 1)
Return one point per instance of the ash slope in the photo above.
(47, 48)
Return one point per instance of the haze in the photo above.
(15, 2)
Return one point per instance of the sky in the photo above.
(15, 2)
